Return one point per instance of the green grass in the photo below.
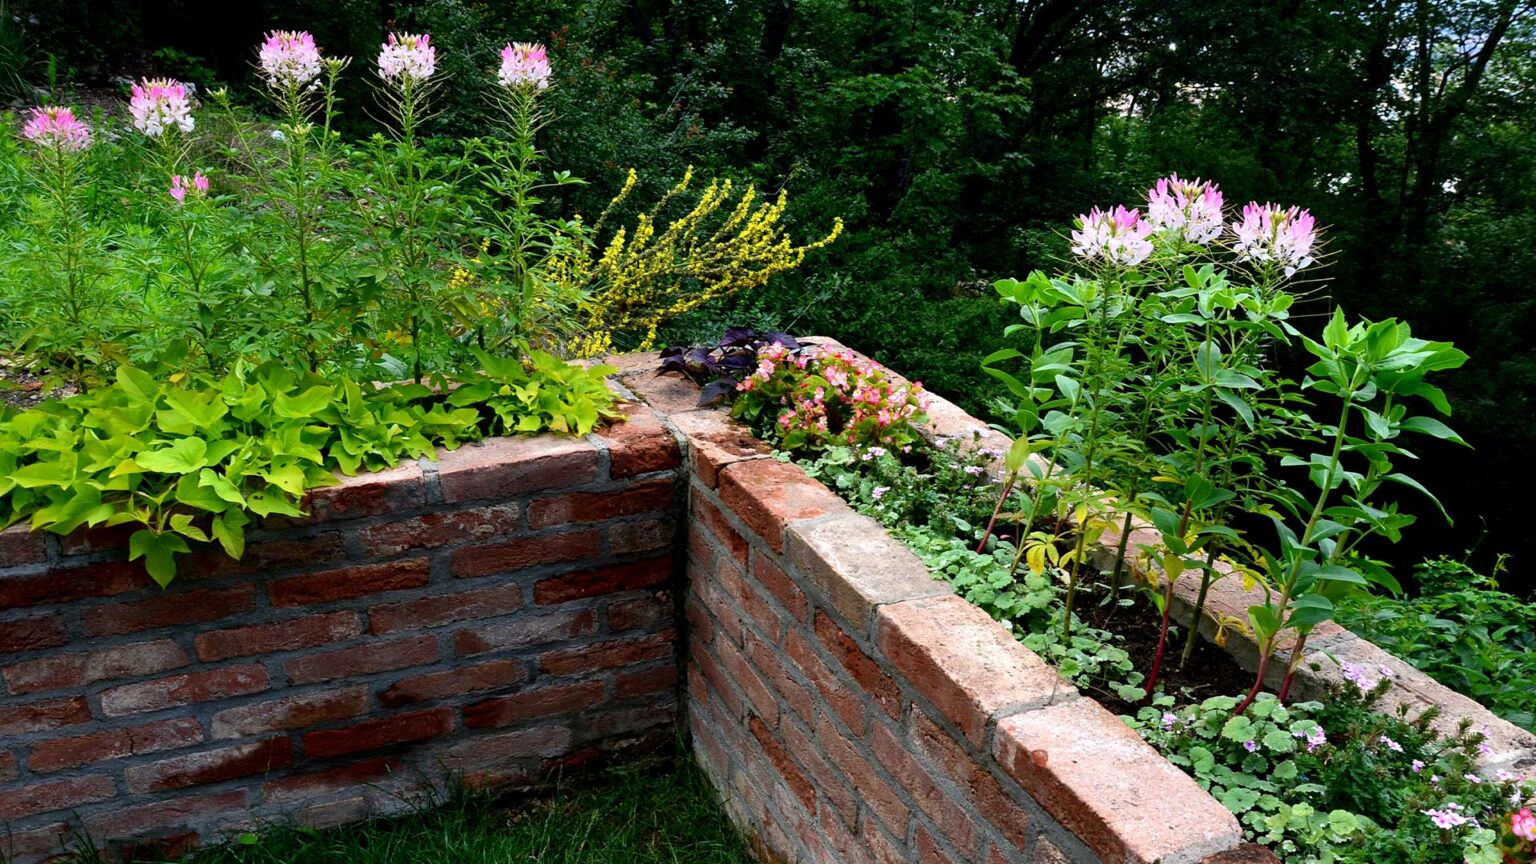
(647, 814)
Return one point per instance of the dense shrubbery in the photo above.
(222, 292)
(1464, 631)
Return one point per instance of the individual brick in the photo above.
(520, 631)
(347, 582)
(715, 441)
(968, 665)
(375, 734)
(171, 814)
(45, 714)
(20, 546)
(107, 664)
(769, 496)
(270, 556)
(298, 787)
(546, 701)
(772, 577)
(187, 689)
(858, 567)
(66, 584)
(525, 552)
(653, 609)
(458, 681)
(496, 750)
(600, 581)
(32, 634)
(613, 654)
(440, 528)
(714, 523)
(298, 711)
(286, 635)
(1145, 810)
(211, 766)
(638, 445)
(642, 536)
(787, 770)
(376, 656)
(8, 771)
(371, 493)
(643, 682)
(864, 671)
(667, 395)
(572, 507)
(50, 795)
(445, 608)
(514, 466)
(173, 609)
(58, 754)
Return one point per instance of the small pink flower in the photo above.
(879, 492)
(1523, 825)
(1118, 236)
(524, 65)
(1447, 817)
(57, 128)
(1417, 766)
(408, 57)
(160, 104)
(1390, 744)
(289, 59)
(181, 185)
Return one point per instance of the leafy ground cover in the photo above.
(640, 814)
(1463, 631)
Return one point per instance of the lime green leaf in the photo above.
(183, 457)
(158, 549)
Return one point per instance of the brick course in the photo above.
(503, 612)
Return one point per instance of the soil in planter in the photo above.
(1211, 671)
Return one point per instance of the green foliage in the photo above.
(1463, 631)
(1338, 781)
(196, 460)
(936, 500)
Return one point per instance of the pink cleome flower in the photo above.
(1118, 236)
(407, 57)
(289, 59)
(57, 128)
(1190, 209)
(180, 185)
(524, 64)
(160, 104)
(1269, 234)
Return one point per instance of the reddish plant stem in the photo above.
(1162, 640)
(1001, 499)
(1290, 668)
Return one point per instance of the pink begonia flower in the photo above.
(408, 57)
(1271, 235)
(1190, 209)
(523, 65)
(160, 104)
(1119, 236)
(58, 128)
(1523, 825)
(181, 185)
(289, 59)
(1390, 744)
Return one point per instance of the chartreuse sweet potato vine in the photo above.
(194, 460)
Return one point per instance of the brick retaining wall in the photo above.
(525, 605)
(492, 616)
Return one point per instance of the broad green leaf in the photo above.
(158, 551)
(184, 456)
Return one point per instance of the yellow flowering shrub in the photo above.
(725, 243)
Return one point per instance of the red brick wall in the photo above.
(495, 615)
(849, 708)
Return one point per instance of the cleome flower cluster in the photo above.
(1190, 212)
